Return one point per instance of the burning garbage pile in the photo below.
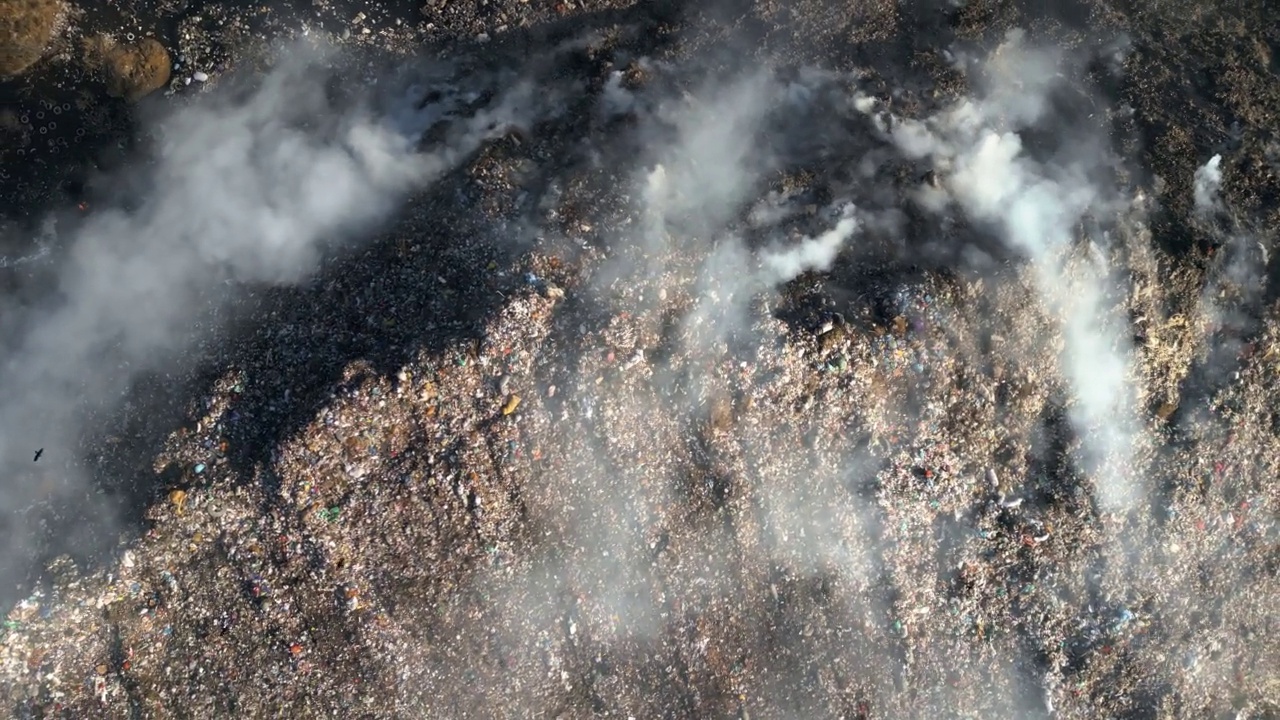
(664, 395)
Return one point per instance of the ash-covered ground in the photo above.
(564, 359)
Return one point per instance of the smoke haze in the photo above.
(674, 476)
(245, 190)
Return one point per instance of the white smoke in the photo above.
(247, 196)
(1236, 286)
(706, 167)
(1036, 209)
(811, 253)
(1207, 183)
(248, 190)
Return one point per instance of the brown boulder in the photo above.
(133, 71)
(26, 27)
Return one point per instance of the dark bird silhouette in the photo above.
(38, 454)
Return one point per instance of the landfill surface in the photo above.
(750, 359)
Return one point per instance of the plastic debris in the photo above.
(179, 500)
(512, 403)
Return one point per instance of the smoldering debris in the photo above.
(670, 475)
(246, 190)
(1036, 207)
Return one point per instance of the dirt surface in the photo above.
(514, 457)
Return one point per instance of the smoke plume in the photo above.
(247, 189)
(1037, 209)
(1208, 180)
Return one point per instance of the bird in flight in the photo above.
(38, 454)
